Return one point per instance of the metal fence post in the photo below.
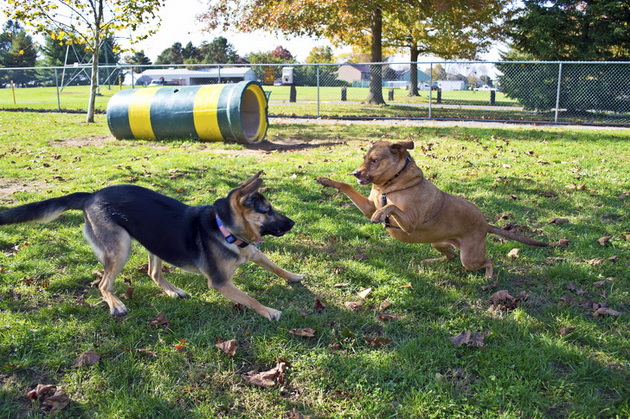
(317, 68)
(558, 91)
(57, 88)
(430, 88)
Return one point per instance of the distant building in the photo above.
(354, 73)
(185, 77)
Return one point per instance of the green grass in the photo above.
(49, 313)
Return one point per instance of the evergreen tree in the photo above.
(17, 50)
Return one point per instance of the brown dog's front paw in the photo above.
(329, 183)
(380, 215)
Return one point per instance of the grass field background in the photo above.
(560, 349)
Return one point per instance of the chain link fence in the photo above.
(539, 92)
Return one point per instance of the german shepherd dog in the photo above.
(212, 240)
(413, 210)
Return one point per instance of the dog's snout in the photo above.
(357, 174)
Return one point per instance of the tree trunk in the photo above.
(98, 18)
(413, 72)
(375, 96)
(93, 86)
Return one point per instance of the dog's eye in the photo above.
(374, 161)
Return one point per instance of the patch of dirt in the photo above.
(98, 140)
(9, 187)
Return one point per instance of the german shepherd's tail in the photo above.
(513, 236)
(44, 211)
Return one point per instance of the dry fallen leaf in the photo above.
(304, 332)
(558, 221)
(353, 305)
(385, 317)
(513, 253)
(87, 358)
(52, 398)
(377, 342)
(469, 338)
(363, 294)
(128, 294)
(501, 296)
(604, 311)
(596, 261)
(603, 241)
(318, 306)
(384, 305)
(566, 330)
(267, 379)
(229, 346)
(562, 243)
(181, 346)
(160, 320)
(490, 286)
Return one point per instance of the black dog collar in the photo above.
(229, 237)
(384, 195)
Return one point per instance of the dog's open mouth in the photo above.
(363, 181)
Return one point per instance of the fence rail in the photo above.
(540, 92)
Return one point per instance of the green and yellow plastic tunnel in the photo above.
(215, 112)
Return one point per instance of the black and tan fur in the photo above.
(185, 236)
(416, 211)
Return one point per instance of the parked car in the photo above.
(425, 86)
(162, 82)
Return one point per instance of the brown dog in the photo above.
(413, 210)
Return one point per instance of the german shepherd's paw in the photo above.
(270, 313)
(294, 278)
(118, 311)
(177, 293)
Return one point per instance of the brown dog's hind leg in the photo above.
(473, 256)
(446, 249)
(155, 272)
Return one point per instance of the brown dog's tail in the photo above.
(516, 237)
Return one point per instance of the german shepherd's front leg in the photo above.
(260, 259)
(229, 291)
(366, 206)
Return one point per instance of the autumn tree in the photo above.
(446, 28)
(87, 22)
(341, 21)
(320, 55)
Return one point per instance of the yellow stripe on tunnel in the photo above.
(140, 113)
(206, 113)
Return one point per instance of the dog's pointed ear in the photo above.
(404, 145)
(252, 179)
(251, 185)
